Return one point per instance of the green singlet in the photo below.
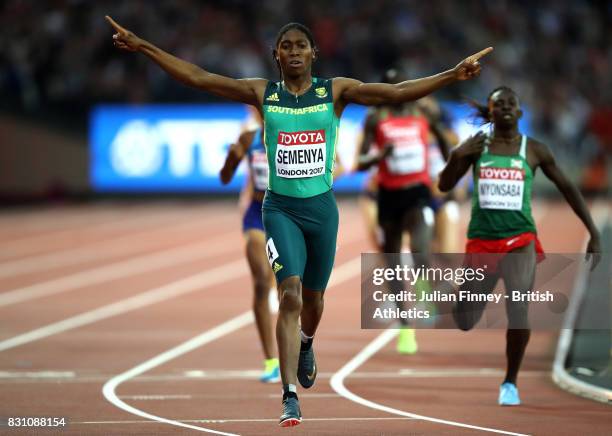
(501, 205)
(300, 214)
(300, 137)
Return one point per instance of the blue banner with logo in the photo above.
(181, 148)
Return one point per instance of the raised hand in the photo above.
(470, 66)
(124, 39)
(474, 145)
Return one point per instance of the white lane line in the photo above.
(253, 374)
(461, 372)
(120, 269)
(126, 268)
(54, 222)
(193, 283)
(26, 244)
(55, 375)
(165, 397)
(208, 336)
(340, 274)
(110, 247)
(220, 421)
(337, 384)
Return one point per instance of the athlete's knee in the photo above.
(464, 323)
(291, 295)
(313, 299)
(392, 242)
(464, 319)
(518, 315)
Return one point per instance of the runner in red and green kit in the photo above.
(301, 115)
(504, 164)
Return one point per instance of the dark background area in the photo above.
(57, 61)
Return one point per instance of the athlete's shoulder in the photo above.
(540, 150)
(341, 84)
(532, 142)
(345, 82)
(272, 92)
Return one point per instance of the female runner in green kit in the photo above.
(301, 117)
(503, 166)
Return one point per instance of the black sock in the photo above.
(287, 393)
(305, 346)
(290, 395)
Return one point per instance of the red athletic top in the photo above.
(409, 162)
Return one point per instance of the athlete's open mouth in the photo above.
(295, 63)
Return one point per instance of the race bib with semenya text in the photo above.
(300, 154)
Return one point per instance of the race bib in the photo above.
(501, 188)
(406, 159)
(300, 154)
(271, 251)
(259, 171)
(408, 156)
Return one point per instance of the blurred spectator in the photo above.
(57, 54)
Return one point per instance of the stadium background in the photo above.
(56, 66)
(61, 79)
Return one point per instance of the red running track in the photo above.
(88, 293)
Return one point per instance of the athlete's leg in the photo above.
(392, 245)
(288, 328)
(419, 223)
(518, 270)
(287, 336)
(286, 253)
(262, 276)
(392, 223)
(447, 233)
(392, 235)
(321, 232)
(368, 208)
(312, 310)
(468, 313)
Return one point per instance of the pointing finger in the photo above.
(116, 26)
(480, 54)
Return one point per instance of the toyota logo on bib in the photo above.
(300, 154)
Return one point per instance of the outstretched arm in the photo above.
(461, 157)
(355, 91)
(572, 196)
(236, 152)
(249, 91)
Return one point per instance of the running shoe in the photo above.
(307, 368)
(271, 372)
(406, 341)
(508, 395)
(292, 415)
